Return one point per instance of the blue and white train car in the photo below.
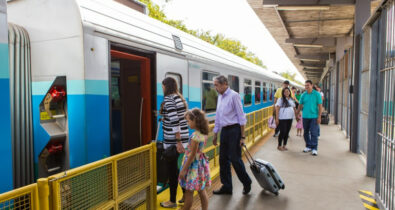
(97, 68)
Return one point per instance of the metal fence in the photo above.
(21, 198)
(123, 181)
(386, 145)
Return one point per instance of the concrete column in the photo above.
(6, 180)
(362, 14)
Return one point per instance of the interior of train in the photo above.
(132, 79)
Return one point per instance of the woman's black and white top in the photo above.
(285, 112)
(174, 121)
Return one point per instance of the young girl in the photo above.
(299, 125)
(195, 171)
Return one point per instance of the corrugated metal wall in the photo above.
(21, 106)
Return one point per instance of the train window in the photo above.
(178, 79)
(115, 85)
(271, 89)
(209, 99)
(257, 92)
(234, 83)
(247, 92)
(264, 92)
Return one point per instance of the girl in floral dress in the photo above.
(195, 171)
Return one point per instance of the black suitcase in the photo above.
(325, 118)
(265, 174)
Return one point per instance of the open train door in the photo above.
(130, 101)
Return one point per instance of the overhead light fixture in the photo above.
(312, 60)
(309, 45)
(303, 8)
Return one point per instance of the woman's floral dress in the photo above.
(198, 174)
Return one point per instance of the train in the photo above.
(91, 80)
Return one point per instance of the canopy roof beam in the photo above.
(306, 2)
(312, 64)
(325, 42)
(318, 56)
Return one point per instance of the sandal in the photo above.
(181, 200)
(168, 204)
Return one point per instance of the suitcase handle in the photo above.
(250, 159)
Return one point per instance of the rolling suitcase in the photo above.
(265, 174)
(325, 118)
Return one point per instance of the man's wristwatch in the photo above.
(243, 137)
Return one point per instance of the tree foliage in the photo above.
(290, 76)
(219, 40)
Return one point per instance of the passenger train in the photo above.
(95, 68)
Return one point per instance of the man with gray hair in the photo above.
(230, 120)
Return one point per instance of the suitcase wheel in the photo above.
(276, 193)
(283, 187)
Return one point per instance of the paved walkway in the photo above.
(330, 180)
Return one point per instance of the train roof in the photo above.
(66, 20)
(110, 17)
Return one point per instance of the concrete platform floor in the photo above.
(330, 180)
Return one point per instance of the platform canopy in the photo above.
(307, 30)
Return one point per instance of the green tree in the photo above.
(290, 76)
(219, 40)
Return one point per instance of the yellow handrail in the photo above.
(20, 198)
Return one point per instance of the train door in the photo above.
(130, 101)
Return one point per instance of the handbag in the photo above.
(161, 166)
(272, 123)
(170, 154)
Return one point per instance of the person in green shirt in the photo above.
(311, 105)
(298, 95)
(209, 98)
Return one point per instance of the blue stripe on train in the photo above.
(4, 67)
(6, 176)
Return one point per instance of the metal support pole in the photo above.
(43, 193)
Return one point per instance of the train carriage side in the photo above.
(110, 50)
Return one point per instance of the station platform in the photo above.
(330, 180)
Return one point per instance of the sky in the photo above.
(235, 19)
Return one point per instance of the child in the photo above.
(299, 125)
(195, 171)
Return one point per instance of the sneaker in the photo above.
(314, 152)
(306, 149)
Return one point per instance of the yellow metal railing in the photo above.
(123, 181)
(21, 198)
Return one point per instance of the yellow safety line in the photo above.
(370, 207)
(368, 199)
(366, 192)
